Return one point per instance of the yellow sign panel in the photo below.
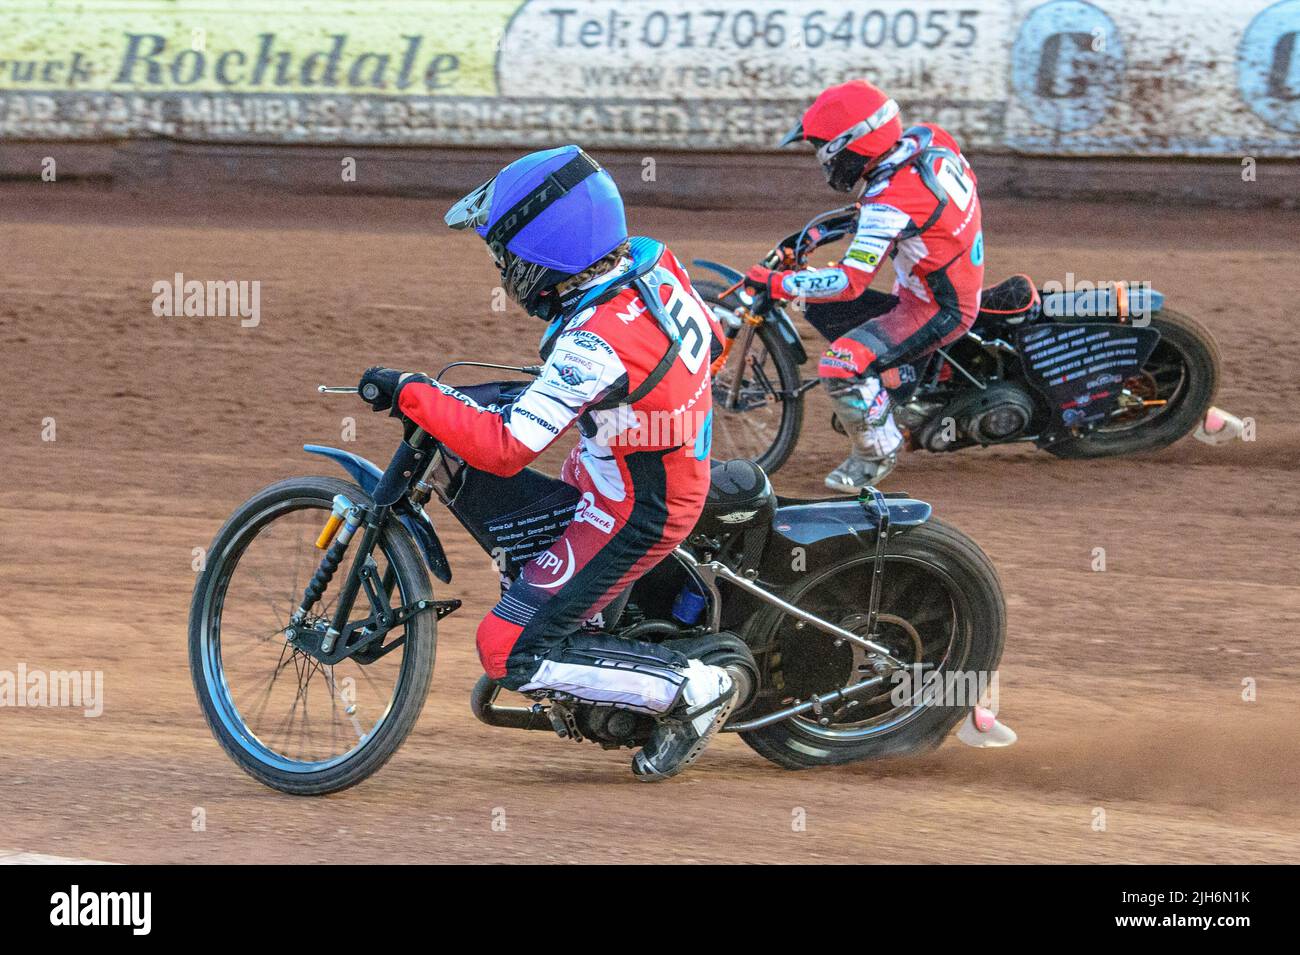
(390, 48)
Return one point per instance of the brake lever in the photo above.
(369, 393)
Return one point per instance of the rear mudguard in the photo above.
(1100, 303)
(778, 317)
(367, 474)
(827, 531)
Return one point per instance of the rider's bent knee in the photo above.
(845, 358)
(496, 638)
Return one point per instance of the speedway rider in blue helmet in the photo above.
(627, 352)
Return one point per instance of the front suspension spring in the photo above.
(330, 562)
(324, 574)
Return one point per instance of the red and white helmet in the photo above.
(851, 125)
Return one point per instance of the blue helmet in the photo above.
(546, 216)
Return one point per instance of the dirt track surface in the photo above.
(1125, 685)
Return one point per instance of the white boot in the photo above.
(864, 410)
(707, 701)
(859, 471)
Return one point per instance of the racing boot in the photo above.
(863, 408)
(707, 699)
(860, 470)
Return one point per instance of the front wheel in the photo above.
(941, 613)
(1164, 401)
(286, 719)
(757, 397)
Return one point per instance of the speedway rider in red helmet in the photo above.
(627, 341)
(918, 204)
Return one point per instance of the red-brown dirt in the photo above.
(1125, 685)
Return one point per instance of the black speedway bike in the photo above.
(313, 625)
(1095, 371)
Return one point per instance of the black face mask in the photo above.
(844, 170)
(529, 284)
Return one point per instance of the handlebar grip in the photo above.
(370, 392)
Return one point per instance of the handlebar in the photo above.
(371, 392)
(798, 246)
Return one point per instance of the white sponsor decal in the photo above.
(588, 341)
(635, 309)
(588, 513)
(573, 373)
(554, 564)
(519, 411)
(736, 517)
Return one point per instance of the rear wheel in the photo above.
(941, 608)
(286, 719)
(1165, 400)
(762, 423)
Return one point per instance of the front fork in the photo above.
(344, 521)
(737, 347)
(345, 518)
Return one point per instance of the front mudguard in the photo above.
(367, 474)
(777, 317)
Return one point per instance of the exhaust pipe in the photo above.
(482, 704)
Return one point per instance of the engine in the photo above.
(1003, 411)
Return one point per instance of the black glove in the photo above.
(378, 387)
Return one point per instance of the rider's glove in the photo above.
(380, 386)
(765, 280)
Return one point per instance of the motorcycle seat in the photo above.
(1012, 300)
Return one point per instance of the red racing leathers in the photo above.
(923, 209)
(642, 469)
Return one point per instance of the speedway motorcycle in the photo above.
(314, 622)
(1093, 372)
